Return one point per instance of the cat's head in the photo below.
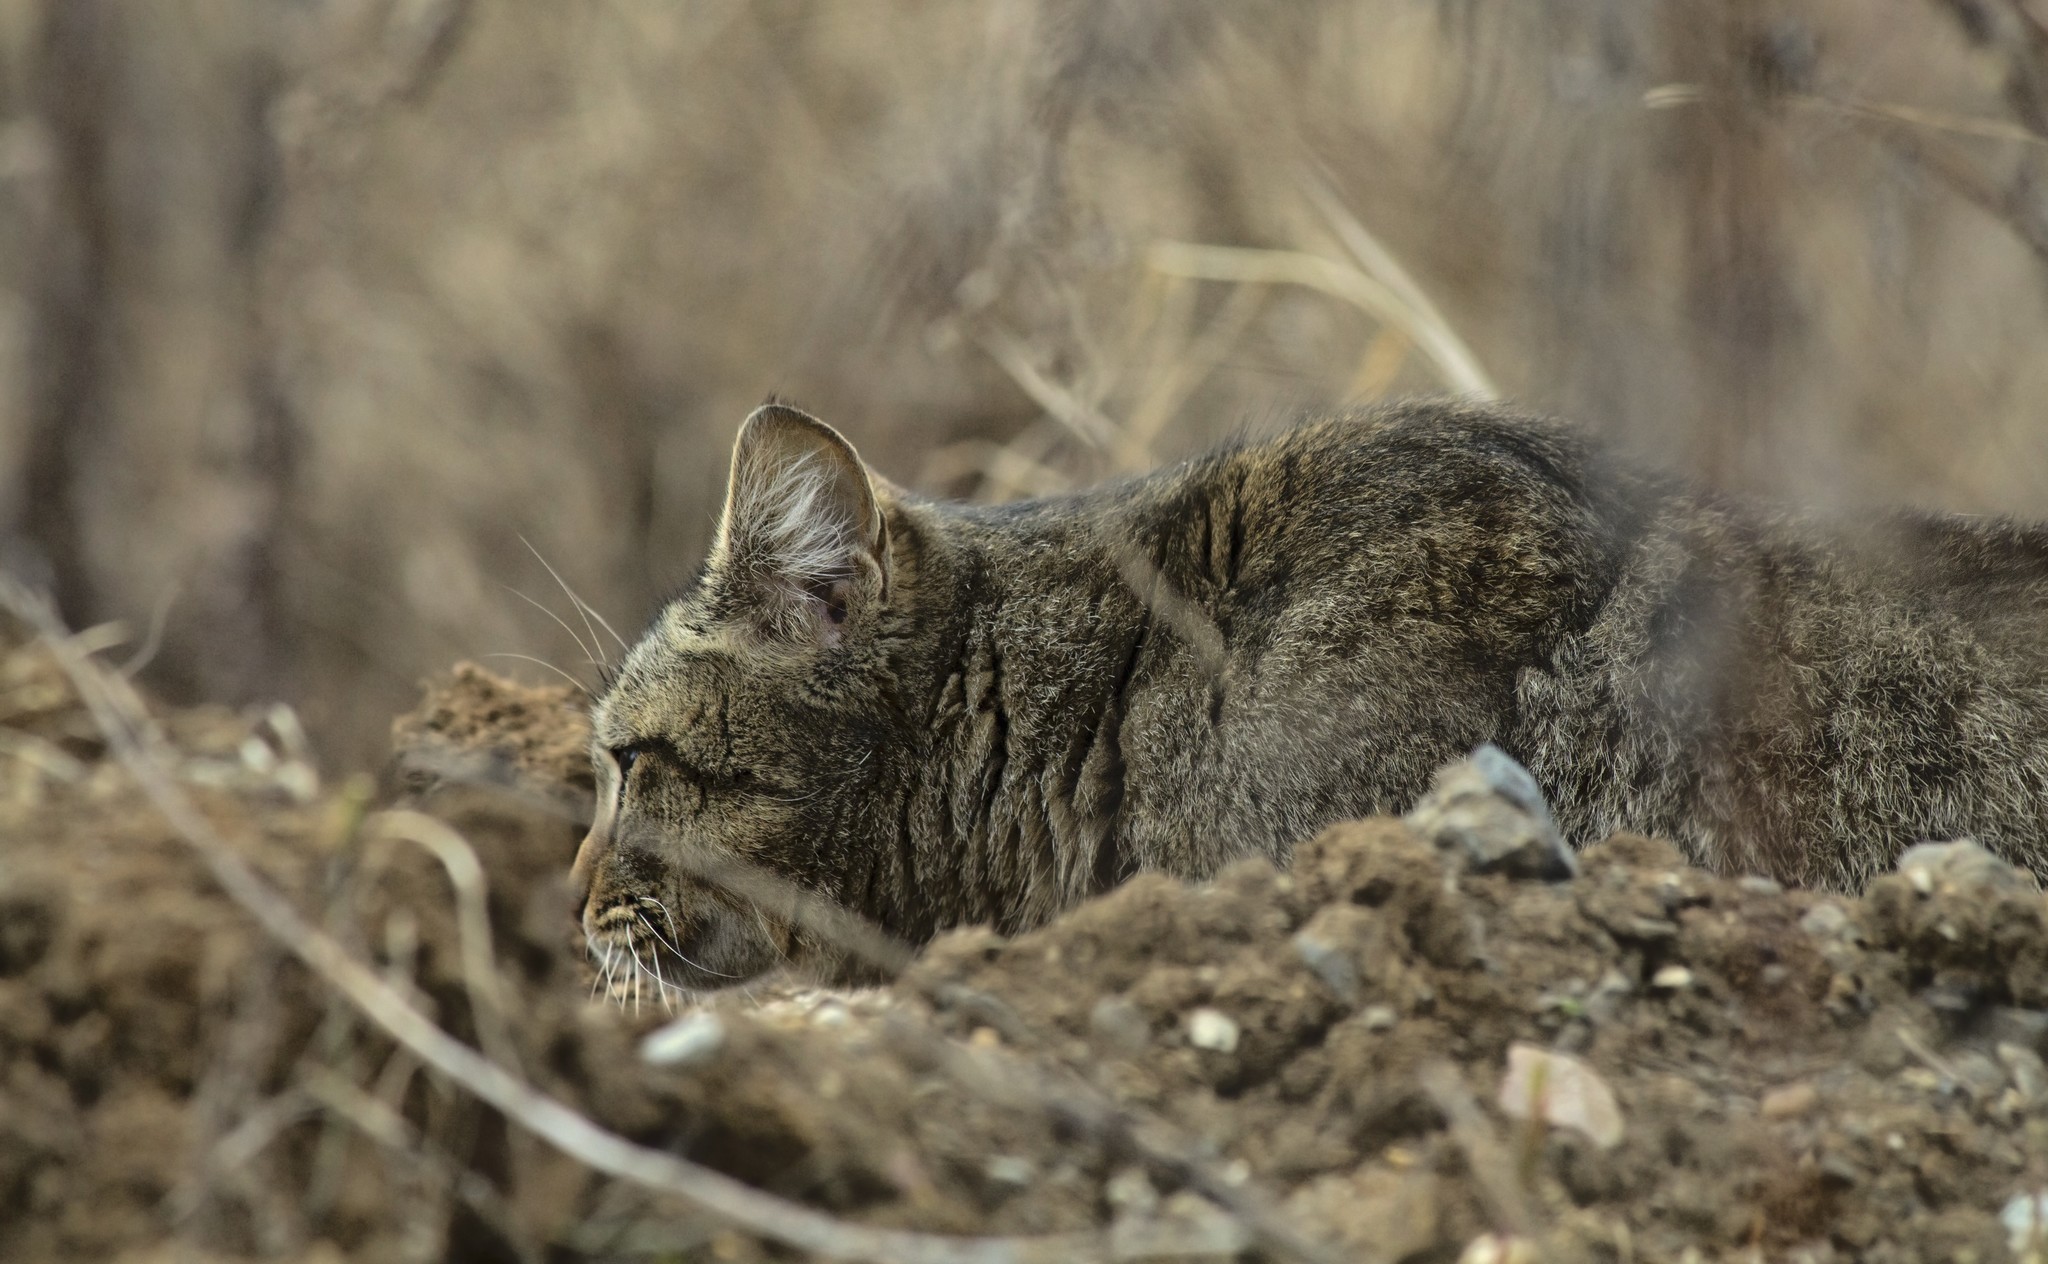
(740, 746)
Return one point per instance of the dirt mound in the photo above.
(1265, 1063)
(1791, 1070)
(474, 725)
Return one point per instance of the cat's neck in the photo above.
(1019, 808)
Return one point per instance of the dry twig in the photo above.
(1417, 316)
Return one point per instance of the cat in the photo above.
(936, 714)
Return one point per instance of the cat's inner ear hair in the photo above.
(802, 542)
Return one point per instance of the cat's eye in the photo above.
(625, 757)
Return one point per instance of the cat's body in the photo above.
(937, 714)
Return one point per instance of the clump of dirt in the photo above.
(1273, 1058)
(475, 725)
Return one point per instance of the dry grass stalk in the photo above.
(472, 920)
(1671, 96)
(1070, 410)
(1185, 372)
(1417, 316)
(1247, 265)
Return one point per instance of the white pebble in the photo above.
(691, 1038)
(1212, 1029)
(2026, 1222)
(1494, 1248)
(1560, 1090)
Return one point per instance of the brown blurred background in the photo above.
(310, 310)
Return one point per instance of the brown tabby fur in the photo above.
(938, 714)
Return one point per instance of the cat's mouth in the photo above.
(645, 951)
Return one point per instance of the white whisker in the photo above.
(661, 983)
(580, 686)
(587, 656)
(581, 609)
(672, 944)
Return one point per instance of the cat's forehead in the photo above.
(678, 668)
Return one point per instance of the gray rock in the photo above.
(1826, 920)
(1488, 812)
(1330, 963)
(1962, 865)
(2029, 1073)
(2027, 1028)
(1119, 1027)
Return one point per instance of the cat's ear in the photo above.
(802, 542)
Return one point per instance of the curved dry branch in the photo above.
(1455, 363)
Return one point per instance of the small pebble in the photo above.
(1672, 978)
(1962, 865)
(1789, 1101)
(2029, 1074)
(1378, 1017)
(2025, 1218)
(1212, 1029)
(1824, 921)
(1009, 1169)
(1118, 1026)
(1496, 1248)
(1489, 813)
(1132, 1190)
(257, 755)
(984, 1038)
(1330, 963)
(1977, 1074)
(1562, 1091)
(691, 1038)
(1921, 1080)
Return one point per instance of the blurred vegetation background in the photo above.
(314, 313)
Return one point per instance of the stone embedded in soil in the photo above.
(1960, 866)
(1788, 1101)
(1494, 1248)
(1212, 1029)
(1488, 811)
(1544, 1086)
(1672, 978)
(692, 1038)
(2025, 1219)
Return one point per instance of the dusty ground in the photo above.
(1317, 1055)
